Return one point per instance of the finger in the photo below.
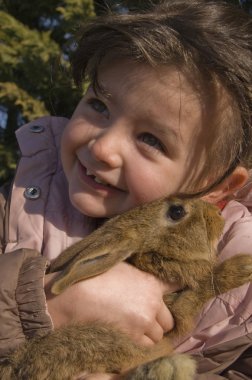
(155, 333)
(144, 341)
(165, 319)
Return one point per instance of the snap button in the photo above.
(37, 128)
(32, 192)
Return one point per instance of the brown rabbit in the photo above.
(175, 239)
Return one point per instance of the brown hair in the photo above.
(210, 41)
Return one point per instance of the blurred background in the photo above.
(36, 43)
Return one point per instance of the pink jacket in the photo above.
(45, 220)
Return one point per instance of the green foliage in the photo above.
(25, 55)
(36, 42)
(11, 94)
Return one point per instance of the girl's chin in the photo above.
(96, 208)
(91, 208)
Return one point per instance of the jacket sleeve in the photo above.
(23, 312)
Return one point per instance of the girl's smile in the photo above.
(95, 182)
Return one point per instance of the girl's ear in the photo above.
(232, 183)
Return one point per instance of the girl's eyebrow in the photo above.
(100, 90)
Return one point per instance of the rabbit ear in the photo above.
(85, 267)
(97, 243)
(70, 254)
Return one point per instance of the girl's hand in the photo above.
(130, 299)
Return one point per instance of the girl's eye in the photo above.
(149, 139)
(98, 106)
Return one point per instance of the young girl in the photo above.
(168, 111)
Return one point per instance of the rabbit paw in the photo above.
(176, 367)
(233, 272)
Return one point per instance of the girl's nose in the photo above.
(107, 148)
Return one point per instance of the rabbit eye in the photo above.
(176, 212)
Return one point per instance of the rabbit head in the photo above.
(185, 239)
(181, 229)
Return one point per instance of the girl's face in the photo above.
(140, 142)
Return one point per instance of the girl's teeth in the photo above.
(100, 181)
(96, 179)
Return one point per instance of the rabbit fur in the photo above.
(173, 238)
